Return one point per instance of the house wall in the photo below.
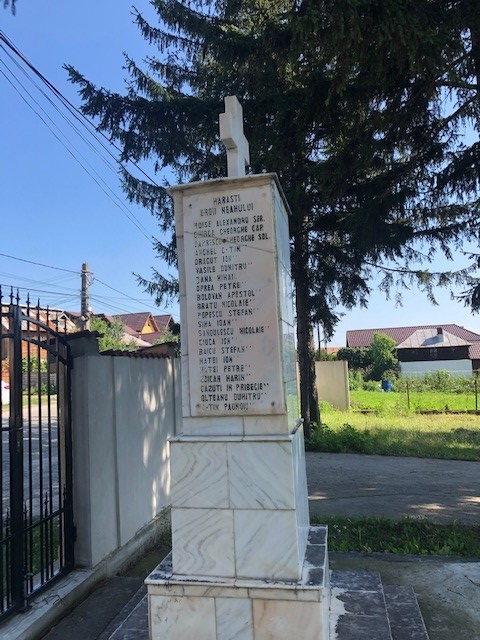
(148, 327)
(433, 353)
(332, 382)
(455, 367)
(124, 409)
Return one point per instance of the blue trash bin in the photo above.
(386, 385)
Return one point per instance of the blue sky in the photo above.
(53, 211)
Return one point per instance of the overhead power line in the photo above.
(39, 264)
(74, 110)
(73, 295)
(71, 112)
(15, 287)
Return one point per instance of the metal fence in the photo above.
(36, 519)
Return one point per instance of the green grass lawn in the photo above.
(415, 401)
(406, 536)
(389, 430)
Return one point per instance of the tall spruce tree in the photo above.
(359, 107)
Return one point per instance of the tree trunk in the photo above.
(306, 364)
(314, 408)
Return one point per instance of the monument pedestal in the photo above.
(208, 608)
(239, 506)
(245, 564)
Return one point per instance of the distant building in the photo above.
(421, 349)
(146, 326)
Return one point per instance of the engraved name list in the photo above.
(232, 337)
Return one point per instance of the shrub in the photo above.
(33, 364)
(345, 440)
(357, 357)
(44, 390)
(355, 379)
(371, 385)
(321, 354)
(384, 356)
(441, 381)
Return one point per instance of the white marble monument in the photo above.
(245, 564)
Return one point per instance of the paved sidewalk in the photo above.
(361, 485)
(339, 484)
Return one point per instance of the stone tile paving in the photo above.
(358, 609)
(406, 621)
(362, 609)
(132, 622)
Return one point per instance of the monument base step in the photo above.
(215, 608)
(362, 608)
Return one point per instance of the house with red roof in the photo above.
(142, 328)
(421, 349)
(146, 326)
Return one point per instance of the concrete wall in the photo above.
(332, 383)
(454, 367)
(124, 409)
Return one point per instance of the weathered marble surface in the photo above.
(239, 506)
(236, 609)
(241, 566)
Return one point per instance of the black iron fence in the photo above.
(36, 519)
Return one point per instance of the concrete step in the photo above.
(362, 608)
(406, 621)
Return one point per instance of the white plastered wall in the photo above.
(332, 383)
(454, 367)
(124, 409)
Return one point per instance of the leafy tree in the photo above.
(34, 365)
(321, 354)
(112, 335)
(169, 335)
(359, 107)
(357, 357)
(383, 355)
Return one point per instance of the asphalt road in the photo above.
(40, 455)
(361, 485)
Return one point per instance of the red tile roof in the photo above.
(364, 337)
(163, 322)
(152, 337)
(135, 321)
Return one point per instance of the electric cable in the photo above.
(98, 179)
(103, 300)
(74, 110)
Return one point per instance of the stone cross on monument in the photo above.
(232, 136)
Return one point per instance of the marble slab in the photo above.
(202, 542)
(266, 545)
(234, 254)
(260, 475)
(199, 475)
(267, 425)
(181, 618)
(286, 620)
(230, 267)
(234, 619)
(239, 609)
(253, 489)
(316, 561)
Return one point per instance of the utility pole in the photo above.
(85, 299)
